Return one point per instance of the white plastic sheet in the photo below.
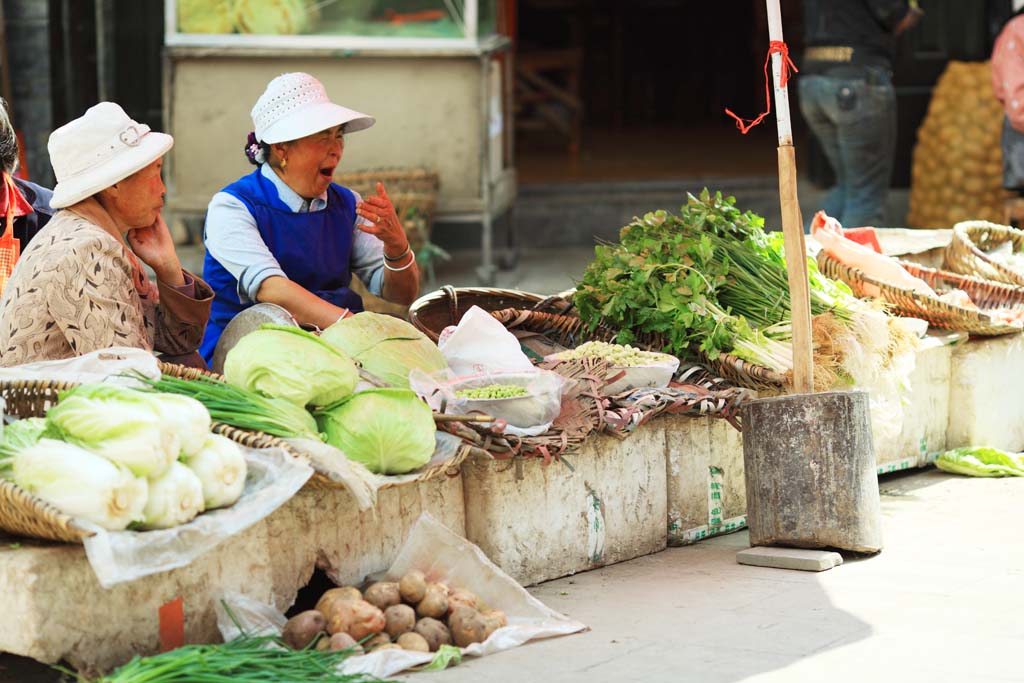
(119, 556)
(97, 366)
(443, 556)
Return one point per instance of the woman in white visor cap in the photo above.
(80, 286)
(287, 234)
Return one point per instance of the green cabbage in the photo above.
(390, 431)
(276, 17)
(386, 347)
(19, 435)
(291, 364)
(175, 497)
(125, 426)
(981, 462)
(221, 468)
(81, 484)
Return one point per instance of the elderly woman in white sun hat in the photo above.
(286, 234)
(80, 286)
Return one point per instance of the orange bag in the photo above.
(10, 246)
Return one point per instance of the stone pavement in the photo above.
(943, 602)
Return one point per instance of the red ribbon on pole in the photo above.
(784, 75)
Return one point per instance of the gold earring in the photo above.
(284, 164)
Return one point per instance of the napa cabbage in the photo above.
(220, 466)
(175, 497)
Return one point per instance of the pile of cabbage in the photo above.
(121, 458)
(378, 422)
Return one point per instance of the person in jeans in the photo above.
(847, 98)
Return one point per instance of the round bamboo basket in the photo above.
(433, 312)
(971, 239)
(909, 303)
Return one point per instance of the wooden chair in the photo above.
(548, 93)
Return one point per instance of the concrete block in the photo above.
(790, 558)
(541, 522)
(54, 608)
(324, 528)
(706, 490)
(987, 394)
(925, 408)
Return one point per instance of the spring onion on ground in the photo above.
(241, 408)
(247, 659)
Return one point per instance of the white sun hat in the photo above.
(296, 105)
(98, 149)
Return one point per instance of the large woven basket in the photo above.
(433, 312)
(909, 303)
(25, 515)
(571, 331)
(971, 239)
(412, 190)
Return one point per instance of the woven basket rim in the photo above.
(973, 319)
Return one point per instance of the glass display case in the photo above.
(335, 24)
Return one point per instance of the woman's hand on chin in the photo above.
(154, 245)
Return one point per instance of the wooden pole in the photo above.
(792, 223)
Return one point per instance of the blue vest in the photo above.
(313, 249)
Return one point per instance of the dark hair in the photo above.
(8, 141)
(256, 151)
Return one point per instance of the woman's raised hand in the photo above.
(154, 245)
(380, 213)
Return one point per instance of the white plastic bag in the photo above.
(528, 415)
(482, 344)
(443, 556)
(117, 556)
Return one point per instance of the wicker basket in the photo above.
(909, 303)
(433, 312)
(971, 239)
(413, 191)
(570, 331)
(25, 515)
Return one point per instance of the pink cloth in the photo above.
(1008, 70)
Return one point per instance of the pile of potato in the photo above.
(410, 614)
(957, 167)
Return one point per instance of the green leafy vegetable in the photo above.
(18, 436)
(291, 364)
(390, 431)
(81, 483)
(125, 426)
(981, 462)
(386, 347)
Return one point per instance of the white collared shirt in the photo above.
(231, 237)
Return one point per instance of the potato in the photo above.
(389, 646)
(467, 626)
(435, 633)
(434, 604)
(462, 598)
(414, 642)
(413, 587)
(377, 641)
(399, 619)
(357, 618)
(343, 641)
(334, 595)
(493, 619)
(303, 628)
(383, 594)
(324, 642)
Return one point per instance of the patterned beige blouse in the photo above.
(76, 289)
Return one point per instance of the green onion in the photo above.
(239, 407)
(246, 659)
